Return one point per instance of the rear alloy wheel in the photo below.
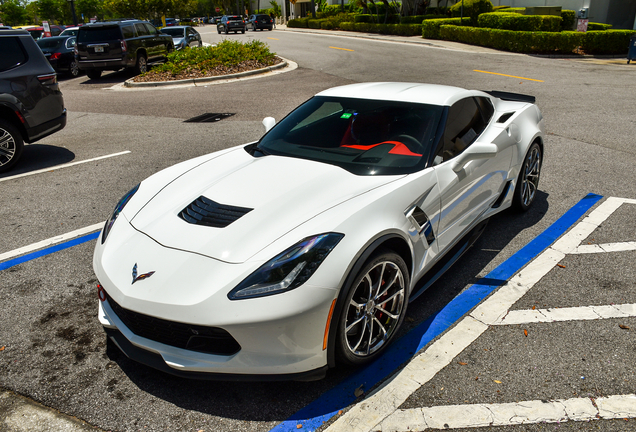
(142, 65)
(94, 73)
(374, 309)
(11, 145)
(74, 69)
(528, 181)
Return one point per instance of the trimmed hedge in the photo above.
(568, 18)
(326, 25)
(417, 19)
(515, 41)
(508, 9)
(387, 29)
(607, 41)
(431, 28)
(315, 23)
(513, 21)
(363, 18)
(298, 23)
(471, 8)
(598, 26)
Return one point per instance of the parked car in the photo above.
(383, 186)
(183, 36)
(38, 32)
(114, 45)
(60, 52)
(172, 22)
(230, 23)
(261, 22)
(31, 103)
(70, 31)
(216, 19)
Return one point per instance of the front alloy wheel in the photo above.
(528, 181)
(374, 309)
(142, 65)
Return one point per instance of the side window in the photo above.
(487, 110)
(141, 29)
(70, 43)
(12, 53)
(151, 29)
(463, 125)
(55, 31)
(128, 32)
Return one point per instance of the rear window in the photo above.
(48, 43)
(12, 53)
(262, 16)
(98, 34)
(234, 18)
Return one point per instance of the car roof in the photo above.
(11, 32)
(433, 94)
(112, 23)
(53, 38)
(179, 27)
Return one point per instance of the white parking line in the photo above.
(606, 247)
(527, 412)
(369, 414)
(57, 167)
(51, 241)
(583, 313)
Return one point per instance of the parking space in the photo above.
(576, 305)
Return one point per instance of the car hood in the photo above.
(275, 194)
(177, 40)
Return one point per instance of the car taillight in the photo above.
(54, 56)
(124, 47)
(48, 79)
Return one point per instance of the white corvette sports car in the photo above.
(280, 258)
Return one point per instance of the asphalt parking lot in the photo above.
(566, 335)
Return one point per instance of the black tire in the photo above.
(227, 31)
(218, 31)
(528, 181)
(74, 70)
(366, 325)
(94, 73)
(243, 31)
(142, 64)
(11, 145)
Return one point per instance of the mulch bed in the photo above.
(247, 65)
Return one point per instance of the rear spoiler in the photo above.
(516, 97)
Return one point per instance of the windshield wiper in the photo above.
(256, 148)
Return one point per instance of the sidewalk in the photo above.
(19, 414)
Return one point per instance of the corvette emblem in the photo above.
(141, 276)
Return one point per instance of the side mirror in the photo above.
(269, 123)
(474, 152)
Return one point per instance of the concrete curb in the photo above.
(129, 83)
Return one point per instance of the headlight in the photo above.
(118, 208)
(288, 270)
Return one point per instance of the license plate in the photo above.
(99, 49)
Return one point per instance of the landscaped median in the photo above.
(228, 59)
(501, 27)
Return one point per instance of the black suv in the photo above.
(114, 45)
(230, 23)
(31, 103)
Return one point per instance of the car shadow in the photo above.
(278, 401)
(39, 156)
(109, 77)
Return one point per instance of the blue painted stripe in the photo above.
(52, 249)
(329, 403)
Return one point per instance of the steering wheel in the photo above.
(412, 143)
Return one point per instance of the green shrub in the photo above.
(417, 19)
(386, 29)
(298, 23)
(598, 26)
(315, 23)
(472, 9)
(507, 9)
(430, 28)
(363, 18)
(327, 25)
(516, 22)
(568, 17)
(607, 41)
(515, 41)
(226, 53)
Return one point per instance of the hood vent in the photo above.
(204, 211)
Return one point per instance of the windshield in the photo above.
(365, 137)
(174, 32)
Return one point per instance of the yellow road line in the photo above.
(344, 49)
(510, 76)
(272, 38)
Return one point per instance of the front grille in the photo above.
(204, 211)
(208, 340)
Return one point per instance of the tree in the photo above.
(13, 13)
(88, 8)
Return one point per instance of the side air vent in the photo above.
(204, 211)
(504, 118)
